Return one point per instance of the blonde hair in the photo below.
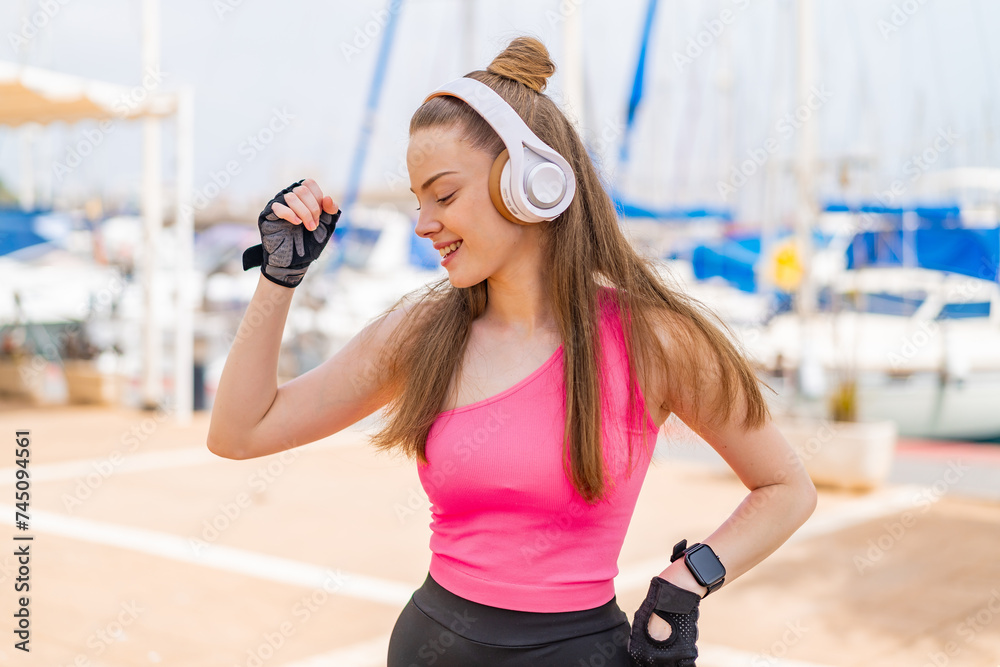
(426, 352)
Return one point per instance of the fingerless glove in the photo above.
(679, 608)
(286, 250)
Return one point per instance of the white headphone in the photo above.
(529, 182)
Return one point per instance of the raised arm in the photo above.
(254, 417)
(251, 415)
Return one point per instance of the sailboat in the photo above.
(921, 346)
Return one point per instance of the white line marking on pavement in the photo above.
(104, 467)
(142, 462)
(229, 559)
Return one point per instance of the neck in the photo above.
(518, 302)
(520, 308)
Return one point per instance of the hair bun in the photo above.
(525, 60)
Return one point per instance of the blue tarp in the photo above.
(970, 252)
(728, 259)
(942, 215)
(17, 230)
(631, 209)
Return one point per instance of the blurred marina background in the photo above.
(823, 175)
(796, 165)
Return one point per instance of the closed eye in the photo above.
(443, 199)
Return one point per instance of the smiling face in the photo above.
(455, 205)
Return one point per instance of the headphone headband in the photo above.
(517, 137)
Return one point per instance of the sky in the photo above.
(902, 88)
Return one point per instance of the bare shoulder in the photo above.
(387, 325)
(693, 375)
(369, 350)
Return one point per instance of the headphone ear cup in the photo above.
(496, 172)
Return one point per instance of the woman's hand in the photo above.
(658, 628)
(679, 575)
(304, 204)
(286, 250)
(665, 627)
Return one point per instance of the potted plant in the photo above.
(843, 450)
(86, 383)
(842, 454)
(22, 370)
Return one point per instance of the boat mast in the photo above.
(805, 295)
(364, 135)
(469, 25)
(573, 68)
(724, 81)
(152, 217)
(811, 382)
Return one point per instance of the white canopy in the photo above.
(36, 95)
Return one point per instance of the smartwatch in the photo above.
(703, 564)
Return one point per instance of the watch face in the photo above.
(705, 565)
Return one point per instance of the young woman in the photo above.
(529, 385)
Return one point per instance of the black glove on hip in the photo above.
(286, 250)
(679, 608)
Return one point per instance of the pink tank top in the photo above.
(508, 528)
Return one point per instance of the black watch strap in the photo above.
(716, 586)
(679, 550)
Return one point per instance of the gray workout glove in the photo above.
(679, 608)
(287, 250)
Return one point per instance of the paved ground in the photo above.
(149, 550)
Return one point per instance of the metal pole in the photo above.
(26, 182)
(811, 380)
(573, 58)
(364, 136)
(724, 80)
(184, 228)
(806, 214)
(635, 96)
(152, 217)
(469, 21)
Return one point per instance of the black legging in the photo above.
(439, 628)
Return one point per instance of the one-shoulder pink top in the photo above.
(508, 528)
